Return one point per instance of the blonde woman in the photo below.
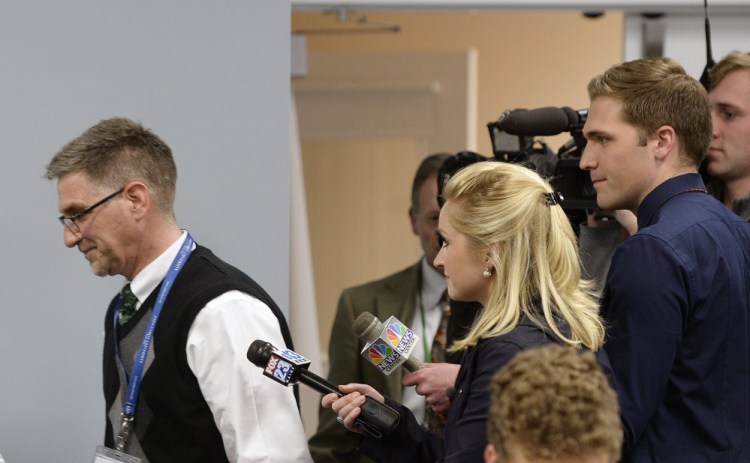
(507, 244)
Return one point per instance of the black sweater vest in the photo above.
(181, 427)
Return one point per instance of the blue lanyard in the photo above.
(134, 383)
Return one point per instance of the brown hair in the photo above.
(429, 167)
(734, 61)
(655, 92)
(554, 402)
(117, 151)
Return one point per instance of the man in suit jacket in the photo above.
(406, 295)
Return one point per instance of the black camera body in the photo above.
(516, 138)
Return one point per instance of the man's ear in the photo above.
(413, 220)
(490, 455)
(666, 141)
(138, 197)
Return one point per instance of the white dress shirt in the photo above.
(257, 417)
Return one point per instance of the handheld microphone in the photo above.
(287, 367)
(387, 345)
(541, 121)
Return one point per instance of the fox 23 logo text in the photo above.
(279, 369)
(282, 365)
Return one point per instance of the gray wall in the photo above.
(212, 78)
(684, 38)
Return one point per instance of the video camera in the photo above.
(515, 138)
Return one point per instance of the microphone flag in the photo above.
(392, 347)
(283, 366)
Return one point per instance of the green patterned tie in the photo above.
(127, 304)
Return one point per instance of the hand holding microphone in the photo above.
(389, 344)
(351, 408)
(287, 367)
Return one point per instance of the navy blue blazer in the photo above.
(465, 435)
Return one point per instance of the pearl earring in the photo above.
(487, 273)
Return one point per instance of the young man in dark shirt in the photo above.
(676, 296)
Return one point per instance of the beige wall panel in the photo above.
(365, 121)
(358, 203)
(522, 60)
(526, 59)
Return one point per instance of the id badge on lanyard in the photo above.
(118, 455)
(107, 455)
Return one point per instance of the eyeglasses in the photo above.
(71, 222)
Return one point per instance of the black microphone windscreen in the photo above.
(542, 121)
(259, 352)
(573, 117)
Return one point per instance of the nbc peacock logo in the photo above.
(395, 332)
(378, 352)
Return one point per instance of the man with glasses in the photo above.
(72, 221)
(177, 385)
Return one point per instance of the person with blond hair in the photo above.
(553, 405)
(676, 295)
(506, 243)
(729, 153)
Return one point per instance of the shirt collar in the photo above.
(664, 192)
(433, 285)
(149, 278)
